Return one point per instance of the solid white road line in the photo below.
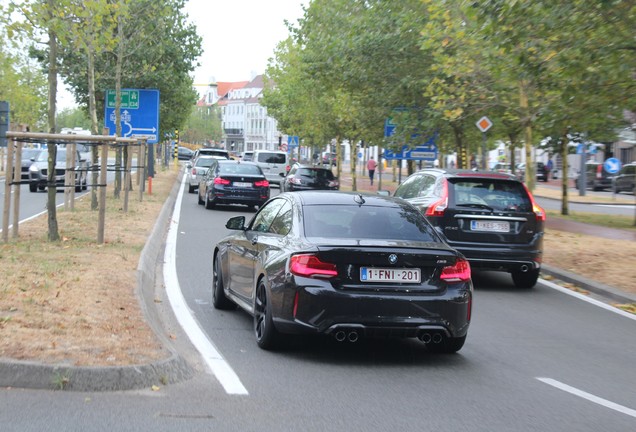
(588, 299)
(588, 396)
(213, 358)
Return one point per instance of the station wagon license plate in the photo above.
(401, 275)
(490, 226)
(242, 184)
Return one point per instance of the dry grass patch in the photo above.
(74, 301)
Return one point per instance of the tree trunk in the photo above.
(92, 111)
(564, 177)
(527, 129)
(53, 234)
(118, 69)
(354, 159)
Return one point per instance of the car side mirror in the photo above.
(236, 223)
(188, 165)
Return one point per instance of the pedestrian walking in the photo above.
(371, 166)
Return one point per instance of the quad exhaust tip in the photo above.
(349, 336)
(428, 338)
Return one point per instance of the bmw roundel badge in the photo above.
(393, 258)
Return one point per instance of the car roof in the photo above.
(311, 197)
(466, 173)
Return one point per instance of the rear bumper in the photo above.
(325, 310)
(498, 258)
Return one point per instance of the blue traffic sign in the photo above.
(612, 165)
(426, 152)
(139, 113)
(292, 141)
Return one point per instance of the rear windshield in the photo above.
(274, 158)
(496, 194)
(204, 161)
(312, 173)
(367, 222)
(242, 169)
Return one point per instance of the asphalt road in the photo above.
(534, 360)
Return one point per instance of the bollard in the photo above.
(149, 185)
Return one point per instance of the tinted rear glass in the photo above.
(242, 169)
(316, 173)
(367, 222)
(499, 195)
(204, 162)
(274, 158)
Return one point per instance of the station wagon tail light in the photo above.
(309, 265)
(221, 181)
(194, 171)
(261, 183)
(536, 208)
(459, 272)
(438, 207)
(599, 172)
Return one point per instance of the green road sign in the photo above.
(129, 99)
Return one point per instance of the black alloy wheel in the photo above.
(33, 187)
(208, 204)
(219, 300)
(267, 337)
(525, 279)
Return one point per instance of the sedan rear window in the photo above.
(498, 195)
(367, 222)
(313, 173)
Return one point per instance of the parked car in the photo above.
(211, 151)
(624, 180)
(196, 169)
(491, 218)
(501, 167)
(38, 171)
(248, 156)
(307, 177)
(345, 265)
(184, 153)
(541, 171)
(596, 177)
(329, 158)
(27, 158)
(273, 163)
(229, 181)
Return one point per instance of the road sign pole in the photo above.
(583, 173)
(483, 151)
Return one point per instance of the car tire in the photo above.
(190, 188)
(525, 279)
(219, 300)
(33, 187)
(267, 337)
(199, 200)
(208, 204)
(448, 345)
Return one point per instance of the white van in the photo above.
(273, 163)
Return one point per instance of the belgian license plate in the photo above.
(490, 226)
(402, 275)
(242, 184)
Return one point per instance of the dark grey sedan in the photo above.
(344, 265)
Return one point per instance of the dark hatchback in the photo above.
(28, 156)
(344, 265)
(596, 177)
(307, 177)
(491, 218)
(229, 181)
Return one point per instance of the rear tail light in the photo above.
(309, 265)
(459, 272)
(536, 208)
(438, 207)
(194, 172)
(599, 172)
(333, 183)
(287, 168)
(221, 181)
(261, 183)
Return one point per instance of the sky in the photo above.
(238, 37)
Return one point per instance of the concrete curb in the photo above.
(598, 288)
(173, 369)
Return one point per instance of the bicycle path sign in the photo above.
(139, 113)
